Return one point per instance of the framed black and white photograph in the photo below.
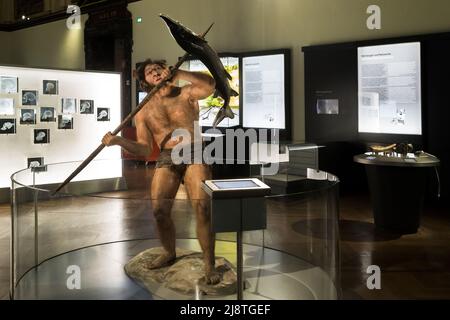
(65, 121)
(8, 84)
(69, 105)
(7, 126)
(48, 114)
(35, 162)
(29, 97)
(50, 87)
(86, 106)
(327, 106)
(6, 107)
(102, 114)
(41, 136)
(27, 116)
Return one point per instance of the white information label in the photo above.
(263, 92)
(389, 89)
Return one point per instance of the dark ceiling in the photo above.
(20, 14)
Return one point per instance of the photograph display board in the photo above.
(389, 89)
(263, 81)
(46, 121)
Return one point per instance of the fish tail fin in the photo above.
(219, 117)
(229, 113)
(224, 112)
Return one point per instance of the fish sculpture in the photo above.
(199, 47)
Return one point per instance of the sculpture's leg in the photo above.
(164, 187)
(195, 174)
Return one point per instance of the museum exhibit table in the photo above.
(397, 188)
(83, 243)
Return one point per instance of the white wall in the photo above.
(6, 11)
(51, 45)
(5, 50)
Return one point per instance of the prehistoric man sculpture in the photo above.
(172, 108)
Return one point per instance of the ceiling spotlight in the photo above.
(23, 17)
(28, 18)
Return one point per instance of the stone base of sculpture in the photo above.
(185, 275)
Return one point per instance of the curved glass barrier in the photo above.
(75, 244)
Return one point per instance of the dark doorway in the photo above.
(108, 43)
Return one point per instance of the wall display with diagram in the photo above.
(65, 121)
(102, 114)
(264, 84)
(48, 114)
(41, 136)
(262, 80)
(51, 93)
(69, 105)
(29, 97)
(7, 126)
(50, 87)
(27, 116)
(86, 106)
(211, 105)
(8, 84)
(389, 87)
(7, 107)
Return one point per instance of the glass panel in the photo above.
(94, 227)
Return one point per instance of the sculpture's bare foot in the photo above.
(163, 260)
(211, 275)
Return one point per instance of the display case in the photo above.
(75, 245)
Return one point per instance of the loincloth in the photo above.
(193, 155)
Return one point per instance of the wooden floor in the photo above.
(415, 266)
(412, 266)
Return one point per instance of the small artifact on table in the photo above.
(383, 149)
(184, 275)
(399, 148)
(404, 148)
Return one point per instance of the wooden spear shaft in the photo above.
(128, 118)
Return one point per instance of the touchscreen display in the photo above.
(235, 184)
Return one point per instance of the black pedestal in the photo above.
(397, 187)
(397, 196)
